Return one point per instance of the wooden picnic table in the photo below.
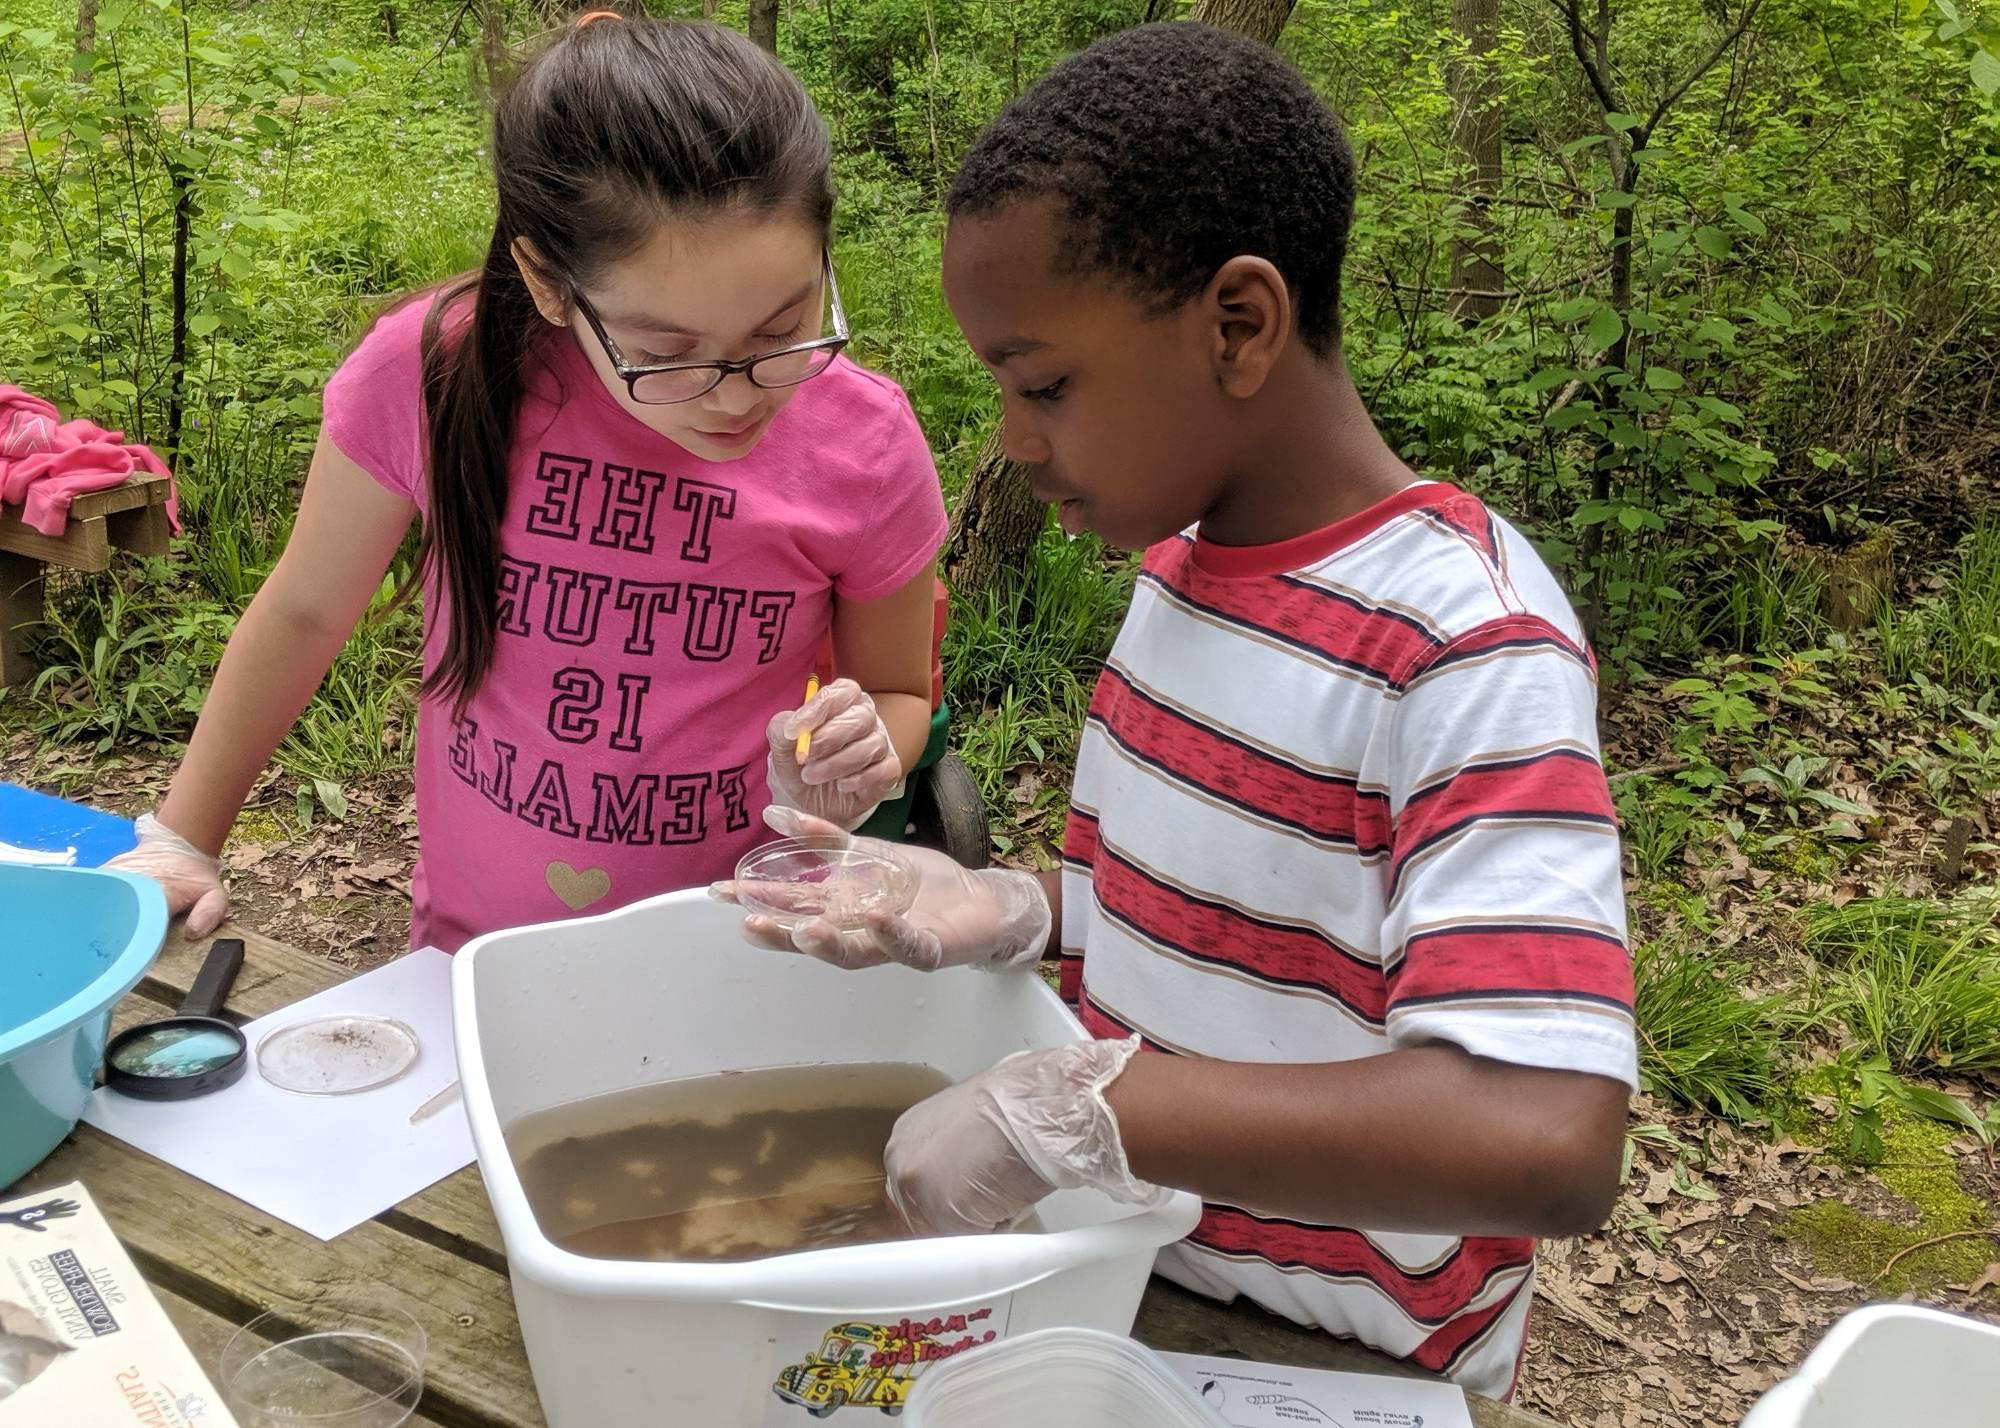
(216, 1263)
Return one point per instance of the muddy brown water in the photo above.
(735, 1166)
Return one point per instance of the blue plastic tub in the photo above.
(72, 942)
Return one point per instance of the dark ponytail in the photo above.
(614, 128)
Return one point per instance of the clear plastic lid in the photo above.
(337, 1055)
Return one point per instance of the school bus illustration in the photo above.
(876, 1365)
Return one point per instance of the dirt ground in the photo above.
(1693, 1301)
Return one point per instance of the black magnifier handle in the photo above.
(217, 976)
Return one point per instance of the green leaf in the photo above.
(1574, 309)
(1664, 379)
(1749, 222)
(1606, 326)
(203, 323)
(236, 263)
(1616, 198)
(1946, 8)
(1712, 241)
(120, 387)
(214, 56)
(331, 798)
(1622, 122)
(1986, 72)
(1549, 378)
(1937, 1106)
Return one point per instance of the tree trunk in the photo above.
(708, 8)
(1259, 19)
(997, 521)
(86, 38)
(764, 24)
(1477, 263)
(998, 517)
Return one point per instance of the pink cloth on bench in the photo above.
(46, 462)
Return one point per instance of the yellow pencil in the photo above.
(806, 735)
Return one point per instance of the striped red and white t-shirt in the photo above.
(1338, 796)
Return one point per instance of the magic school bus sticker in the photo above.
(870, 1365)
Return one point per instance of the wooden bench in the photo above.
(131, 516)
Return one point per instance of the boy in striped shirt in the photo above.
(1340, 842)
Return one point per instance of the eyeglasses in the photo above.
(665, 383)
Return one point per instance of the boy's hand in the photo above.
(850, 765)
(975, 1157)
(192, 879)
(996, 919)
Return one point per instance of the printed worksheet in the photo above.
(1252, 1395)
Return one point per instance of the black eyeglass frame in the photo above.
(632, 374)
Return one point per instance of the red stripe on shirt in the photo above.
(1441, 1351)
(1327, 806)
(1375, 642)
(1562, 783)
(1477, 963)
(1507, 632)
(1224, 937)
(1431, 1296)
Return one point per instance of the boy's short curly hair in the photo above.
(1173, 148)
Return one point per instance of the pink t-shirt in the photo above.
(655, 609)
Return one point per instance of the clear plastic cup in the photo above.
(335, 1363)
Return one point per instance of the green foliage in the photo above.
(1019, 668)
(1701, 1040)
(1916, 983)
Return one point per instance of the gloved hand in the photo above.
(192, 879)
(996, 918)
(974, 1157)
(851, 764)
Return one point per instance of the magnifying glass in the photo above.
(190, 1053)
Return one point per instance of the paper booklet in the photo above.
(82, 1339)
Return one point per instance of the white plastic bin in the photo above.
(1889, 1365)
(667, 988)
(1059, 1378)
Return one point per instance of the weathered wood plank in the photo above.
(193, 1240)
(206, 1332)
(143, 489)
(21, 592)
(83, 545)
(1175, 1321)
(143, 530)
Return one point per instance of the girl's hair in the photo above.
(616, 127)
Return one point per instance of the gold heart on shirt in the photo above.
(579, 889)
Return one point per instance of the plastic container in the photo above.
(72, 942)
(1892, 1364)
(1059, 1378)
(796, 880)
(668, 988)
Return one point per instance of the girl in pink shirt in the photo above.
(649, 487)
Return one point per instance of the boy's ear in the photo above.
(1252, 311)
(549, 292)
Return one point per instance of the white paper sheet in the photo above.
(323, 1163)
(1253, 1395)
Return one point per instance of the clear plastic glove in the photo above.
(996, 919)
(851, 763)
(192, 879)
(975, 1157)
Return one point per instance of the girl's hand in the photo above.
(851, 764)
(192, 879)
(978, 1155)
(996, 919)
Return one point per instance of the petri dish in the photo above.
(799, 880)
(334, 1363)
(336, 1055)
